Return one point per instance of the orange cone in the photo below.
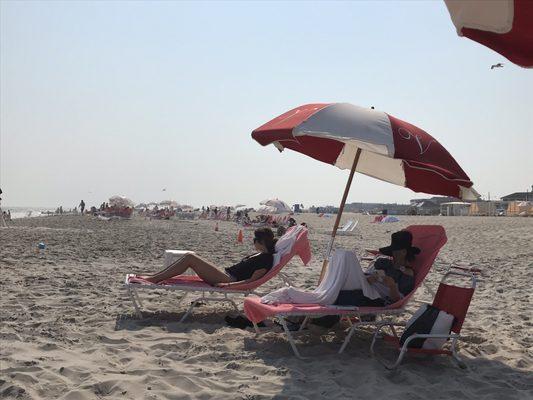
(239, 236)
(216, 227)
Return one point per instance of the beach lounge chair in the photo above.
(194, 284)
(348, 228)
(429, 238)
(455, 300)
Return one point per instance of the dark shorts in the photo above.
(231, 277)
(357, 298)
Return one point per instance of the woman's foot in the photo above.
(147, 278)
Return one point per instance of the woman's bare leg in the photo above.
(208, 272)
(175, 269)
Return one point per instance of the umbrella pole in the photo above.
(339, 214)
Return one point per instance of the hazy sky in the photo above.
(103, 98)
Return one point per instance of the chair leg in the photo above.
(303, 324)
(348, 337)
(289, 337)
(455, 356)
(138, 312)
(400, 358)
(136, 294)
(189, 310)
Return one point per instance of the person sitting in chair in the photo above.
(392, 276)
(249, 269)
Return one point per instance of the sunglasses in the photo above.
(256, 240)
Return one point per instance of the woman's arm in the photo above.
(255, 276)
(394, 293)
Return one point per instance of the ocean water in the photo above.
(28, 212)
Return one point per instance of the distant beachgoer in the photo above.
(249, 269)
(82, 206)
(60, 209)
(227, 213)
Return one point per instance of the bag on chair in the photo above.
(427, 320)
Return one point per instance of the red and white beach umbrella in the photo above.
(370, 142)
(505, 26)
(390, 149)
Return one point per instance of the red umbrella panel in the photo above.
(505, 26)
(390, 149)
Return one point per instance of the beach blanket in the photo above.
(344, 273)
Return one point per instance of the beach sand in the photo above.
(68, 332)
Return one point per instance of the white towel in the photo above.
(344, 273)
(285, 243)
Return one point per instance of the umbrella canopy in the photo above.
(505, 26)
(120, 201)
(274, 206)
(390, 149)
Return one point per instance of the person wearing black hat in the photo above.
(391, 276)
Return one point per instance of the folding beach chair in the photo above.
(452, 299)
(348, 228)
(194, 284)
(429, 238)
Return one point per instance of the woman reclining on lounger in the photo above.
(249, 269)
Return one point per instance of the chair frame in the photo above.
(208, 294)
(388, 315)
(454, 337)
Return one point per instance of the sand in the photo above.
(68, 332)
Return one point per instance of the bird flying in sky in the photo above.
(499, 65)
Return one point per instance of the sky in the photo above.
(105, 98)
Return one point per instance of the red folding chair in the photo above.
(454, 300)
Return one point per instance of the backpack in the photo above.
(427, 320)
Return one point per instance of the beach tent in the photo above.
(274, 206)
(120, 201)
(370, 142)
(455, 208)
(505, 26)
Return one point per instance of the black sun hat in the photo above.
(401, 240)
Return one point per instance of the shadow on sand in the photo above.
(324, 374)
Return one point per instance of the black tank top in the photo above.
(248, 265)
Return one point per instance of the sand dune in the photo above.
(68, 330)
